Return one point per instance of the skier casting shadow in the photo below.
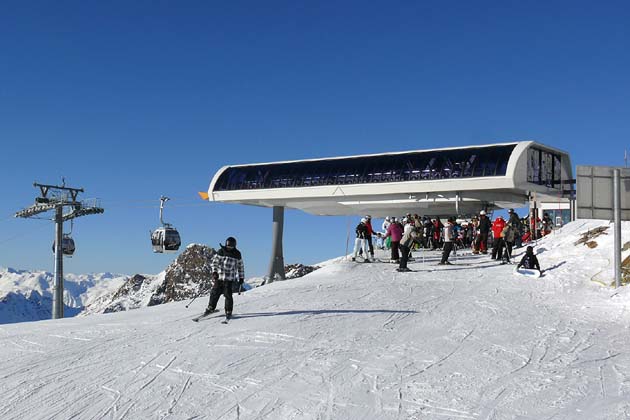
(227, 267)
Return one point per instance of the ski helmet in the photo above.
(230, 242)
(482, 212)
(363, 220)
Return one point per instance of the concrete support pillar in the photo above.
(276, 265)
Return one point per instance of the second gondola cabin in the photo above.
(165, 239)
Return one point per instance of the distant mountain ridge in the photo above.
(27, 296)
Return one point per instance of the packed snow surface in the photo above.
(349, 341)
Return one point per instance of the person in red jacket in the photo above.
(437, 232)
(497, 240)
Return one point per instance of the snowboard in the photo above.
(527, 272)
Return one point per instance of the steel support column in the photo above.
(57, 306)
(617, 229)
(276, 265)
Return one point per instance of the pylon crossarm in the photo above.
(35, 210)
(83, 211)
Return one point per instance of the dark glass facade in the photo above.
(544, 168)
(414, 166)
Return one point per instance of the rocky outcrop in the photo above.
(186, 276)
(182, 279)
(131, 294)
(293, 271)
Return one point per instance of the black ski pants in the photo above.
(446, 251)
(497, 248)
(404, 257)
(395, 245)
(221, 287)
(507, 253)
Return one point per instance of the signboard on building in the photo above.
(595, 192)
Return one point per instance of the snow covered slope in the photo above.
(348, 341)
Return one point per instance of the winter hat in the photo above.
(363, 220)
(529, 250)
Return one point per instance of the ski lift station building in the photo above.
(434, 182)
(447, 181)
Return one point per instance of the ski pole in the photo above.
(193, 299)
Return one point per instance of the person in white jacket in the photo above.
(382, 242)
(448, 241)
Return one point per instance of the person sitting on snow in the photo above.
(529, 260)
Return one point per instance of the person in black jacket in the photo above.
(529, 260)
(516, 223)
(481, 243)
(227, 267)
(361, 241)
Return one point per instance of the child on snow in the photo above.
(529, 260)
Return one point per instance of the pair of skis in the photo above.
(204, 316)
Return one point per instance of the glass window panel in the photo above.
(557, 170)
(546, 169)
(413, 166)
(533, 165)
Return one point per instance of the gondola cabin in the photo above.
(165, 239)
(67, 246)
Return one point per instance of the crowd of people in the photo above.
(401, 236)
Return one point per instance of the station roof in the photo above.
(444, 181)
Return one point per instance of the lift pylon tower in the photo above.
(57, 198)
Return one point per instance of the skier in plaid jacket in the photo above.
(227, 267)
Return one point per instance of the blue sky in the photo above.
(132, 100)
